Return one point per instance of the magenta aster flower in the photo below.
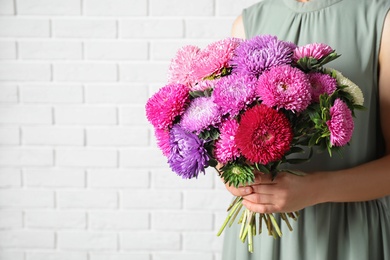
(312, 50)
(225, 147)
(264, 135)
(234, 92)
(200, 115)
(216, 56)
(162, 137)
(166, 104)
(181, 68)
(260, 53)
(188, 157)
(341, 123)
(321, 83)
(285, 87)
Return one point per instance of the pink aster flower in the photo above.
(204, 85)
(234, 92)
(341, 123)
(285, 87)
(321, 83)
(166, 104)
(162, 137)
(181, 68)
(216, 56)
(264, 135)
(225, 147)
(202, 114)
(312, 50)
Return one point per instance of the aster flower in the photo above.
(341, 123)
(214, 59)
(321, 83)
(181, 68)
(234, 92)
(313, 50)
(261, 53)
(187, 157)
(205, 85)
(201, 114)
(350, 87)
(225, 147)
(264, 135)
(162, 137)
(166, 104)
(285, 87)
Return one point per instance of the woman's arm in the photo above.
(365, 182)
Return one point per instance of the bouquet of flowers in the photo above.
(250, 105)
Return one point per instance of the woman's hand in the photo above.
(286, 193)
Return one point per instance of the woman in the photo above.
(344, 200)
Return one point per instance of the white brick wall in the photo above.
(81, 177)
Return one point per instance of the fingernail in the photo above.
(247, 190)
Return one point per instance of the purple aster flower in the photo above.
(321, 83)
(188, 157)
(200, 115)
(234, 92)
(340, 124)
(260, 53)
(225, 147)
(285, 87)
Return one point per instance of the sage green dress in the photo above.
(329, 231)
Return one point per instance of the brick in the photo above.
(166, 179)
(24, 27)
(116, 7)
(181, 255)
(85, 72)
(8, 93)
(200, 28)
(50, 50)
(11, 219)
(155, 241)
(133, 115)
(11, 255)
(141, 72)
(26, 157)
(84, 28)
(57, 93)
(119, 256)
(86, 157)
(114, 178)
(17, 198)
(18, 71)
(85, 240)
(84, 199)
(49, 135)
(117, 50)
(181, 8)
(48, 7)
(207, 200)
(151, 28)
(56, 178)
(149, 199)
(7, 8)
(10, 178)
(55, 219)
(7, 49)
(56, 255)
(163, 50)
(123, 136)
(142, 158)
(124, 93)
(9, 135)
(232, 7)
(179, 221)
(85, 115)
(202, 242)
(118, 220)
(15, 114)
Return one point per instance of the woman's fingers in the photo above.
(240, 191)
